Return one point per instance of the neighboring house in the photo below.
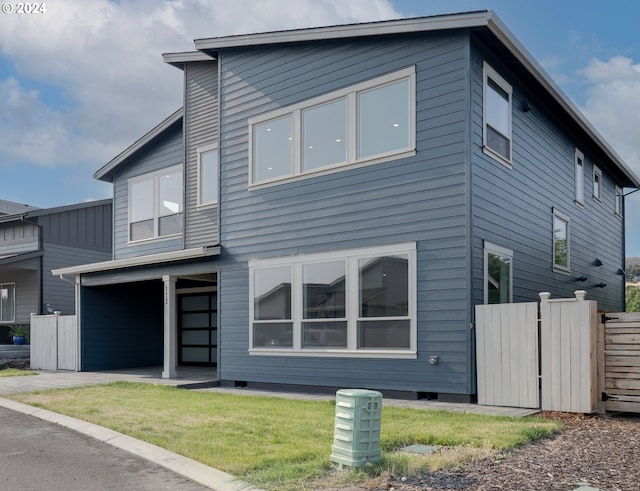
(34, 241)
(332, 203)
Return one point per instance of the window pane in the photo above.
(195, 355)
(497, 108)
(323, 286)
(141, 200)
(194, 302)
(579, 180)
(383, 286)
(141, 230)
(497, 142)
(272, 293)
(7, 302)
(170, 194)
(384, 334)
(169, 225)
(273, 149)
(383, 119)
(196, 337)
(324, 334)
(560, 253)
(498, 278)
(276, 335)
(208, 177)
(324, 135)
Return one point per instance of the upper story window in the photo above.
(155, 205)
(498, 274)
(597, 183)
(561, 241)
(619, 201)
(497, 115)
(208, 172)
(357, 302)
(7, 302)
(579, 176)
(362, 124)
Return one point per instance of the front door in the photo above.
(198, 329)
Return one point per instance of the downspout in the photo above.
(24, 219)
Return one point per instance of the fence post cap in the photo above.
(580, 294)
(544, 296)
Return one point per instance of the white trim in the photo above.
(597, 173)
(163, 257)
(351, 258)
(350, 95)
(578, 169)
(490, 248)
(557, 267)
(199, 151)
(489, 73)
(618, 202)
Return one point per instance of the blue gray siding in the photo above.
(201, 129)
(159, 154)
(16, 237)
(25, 276)
(513, 207)
(421, 198)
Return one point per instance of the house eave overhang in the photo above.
(178, 60)
(21, 256)
(484, 19)
(104, 173)
(151, 259)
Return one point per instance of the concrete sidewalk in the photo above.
(200, 473)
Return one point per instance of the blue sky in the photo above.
(85, 79)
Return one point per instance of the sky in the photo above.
(80, 80)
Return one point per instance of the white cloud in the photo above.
(88, 78)
(613, 104)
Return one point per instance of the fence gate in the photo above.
(507, 355)
(54, 342)
(619, 339)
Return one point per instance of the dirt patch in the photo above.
(603, 451)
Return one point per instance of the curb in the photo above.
(186, 467)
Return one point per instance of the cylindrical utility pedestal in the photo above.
(357, 429)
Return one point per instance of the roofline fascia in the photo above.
(21, 256)
(179, 59)
(74, 206)
(137, 145)
(163, 257)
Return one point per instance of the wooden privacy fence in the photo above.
(54, 342)
(553, 367)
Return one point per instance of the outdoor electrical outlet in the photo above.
(434, 360)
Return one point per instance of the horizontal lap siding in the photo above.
(160, 154)
(26, 283)
(513, 207)
(420, 198)
(201, 123)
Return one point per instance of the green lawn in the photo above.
(14, 372)
(278, 443)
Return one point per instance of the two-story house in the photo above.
(331, 203)
(34, 241)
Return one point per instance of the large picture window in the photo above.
(351, 302)
(497, 115)
(561, 241)
(155, 205)
(7, 302)
(359, 125)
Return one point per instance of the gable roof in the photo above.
(11, 208)
(486, 25)
(105, 172)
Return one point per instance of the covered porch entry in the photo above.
(143, 315)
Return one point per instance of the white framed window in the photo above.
(360, 125)
(7, 302)
(359, 302)
(498, 274)
(561, 242)
(597, 183)
(619, 201)
(208, 175)
(579, 176)
(497, 113)
(155, 205)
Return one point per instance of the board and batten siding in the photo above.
(17, 237)
(513, 207)
(159, 154)
(88, 227)
(422, 198)
(201, 129)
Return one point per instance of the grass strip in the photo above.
(272, 442)
(15, 372)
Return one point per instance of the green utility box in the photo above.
(357, 429)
